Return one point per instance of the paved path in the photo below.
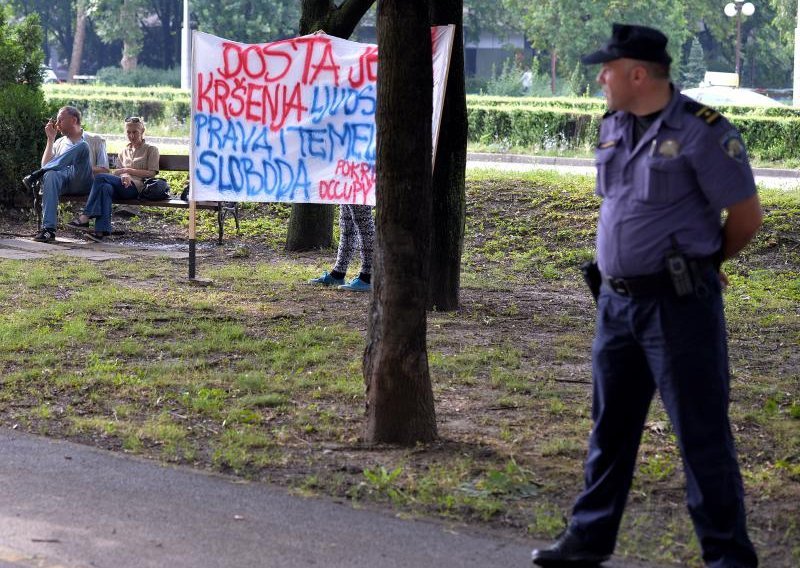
(18, 248)
(69, 506)
(64, 505)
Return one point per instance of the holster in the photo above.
(592, 277)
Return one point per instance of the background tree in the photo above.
(163, 41)
(248, 21)
(695, 68)
(400, 407)
(121, 20)
(575, 27)
(487, 16)
(78, 39)
(311, 225)
(22, 105)
(448, 190)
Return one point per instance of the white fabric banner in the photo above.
(292, 120)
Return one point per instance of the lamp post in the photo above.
(186, 54)
(796, 82)
(736, 9)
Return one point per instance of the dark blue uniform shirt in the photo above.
(668, 189)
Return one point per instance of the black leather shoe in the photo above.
(570, 551)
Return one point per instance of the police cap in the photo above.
(633, 42)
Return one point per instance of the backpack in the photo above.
(154, 189)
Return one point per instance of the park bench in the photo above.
(168, 163)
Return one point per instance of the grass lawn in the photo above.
(259, 374)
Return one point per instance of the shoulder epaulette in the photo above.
(609, 113)
(707, 114)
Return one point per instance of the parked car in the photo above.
(48, 75)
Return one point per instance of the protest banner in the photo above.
(292, 120)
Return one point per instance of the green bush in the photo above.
(95, 107)
(23, 113)
(142, 76)
(556, 128)
(22, 106)
(95, 90)
(535, 128)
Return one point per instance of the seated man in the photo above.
(68, 166)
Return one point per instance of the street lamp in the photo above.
(186, 48)
(736, 9)
(796, 81)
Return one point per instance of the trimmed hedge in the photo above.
(534, 128)
(115, 106)
(767, 137)
(553, 123)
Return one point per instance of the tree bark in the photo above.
(449, 198)
(311, 225)
(400, 406)
(128, 62)
(78, 40)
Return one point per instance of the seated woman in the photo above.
(139, 160)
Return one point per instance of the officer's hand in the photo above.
(723, 279)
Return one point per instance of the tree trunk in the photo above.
(78, 40)
(311, 225)
(400, 407)
(128, 61)
(449, 199)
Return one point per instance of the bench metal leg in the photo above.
(223, 208)
(37, 205)
(220, 222)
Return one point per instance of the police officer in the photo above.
(666, 168)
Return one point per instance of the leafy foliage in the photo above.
(248, 21)
(142, 76)
(695, 68)
(22, 104)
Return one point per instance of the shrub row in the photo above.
(767, 137)
(74, 90)
(118, 107)
(550, 124)
(537, 129)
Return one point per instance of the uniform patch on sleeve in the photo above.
(733, 146)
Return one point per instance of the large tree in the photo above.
(400, 407)
(248, 21)
(574, 27)
(79, 39)
(449, 200)
(310, 225)
(121, 20)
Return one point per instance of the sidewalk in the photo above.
(64, 505)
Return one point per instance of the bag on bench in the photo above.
(154, 189)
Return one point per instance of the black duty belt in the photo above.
(651, 285)
(656, 284)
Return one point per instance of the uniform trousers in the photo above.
(68, 173)
(678, 346)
